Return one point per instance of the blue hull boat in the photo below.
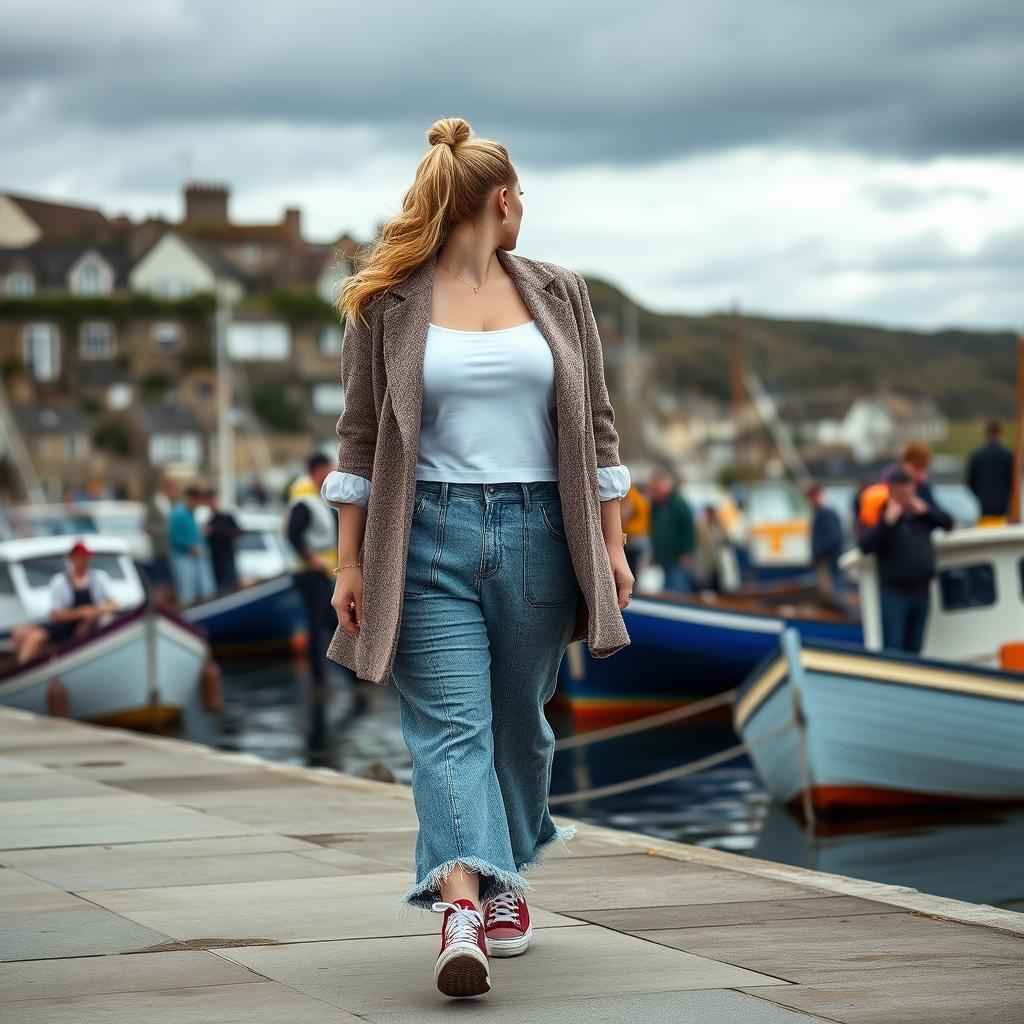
(681, 649)
(263, 618)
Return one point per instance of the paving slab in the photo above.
(307, 909)
(329, 814)
(71, 930)
(256, 1003)
(700, 1007)
(833, 949)
(989, 995)
(395, 975)
(125, 871)
(642, 880)
(747, 912)
(115, 759)
(95, 975)
(125, 817)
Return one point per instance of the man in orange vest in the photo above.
(915, 461)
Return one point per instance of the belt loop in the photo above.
(444, 494)
(526, 496)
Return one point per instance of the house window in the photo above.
(328, 399)
(20, 285)
(97, 340)
(119, 396)
(203, 390)
(41, 351)
(167, 448)
(251, 252)
(259, 341)
(91, 277)
(171, 287)
(968, 586)
(166, 335)
(328, 340)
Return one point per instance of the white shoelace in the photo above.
(503, 907)
(462, 925)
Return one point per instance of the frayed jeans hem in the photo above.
(562, 834)
(492, 881)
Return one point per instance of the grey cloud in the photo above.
(620, 85)
(899, 197)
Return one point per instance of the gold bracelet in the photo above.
(348, 565)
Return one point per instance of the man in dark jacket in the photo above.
(672, 531)
(826, 547)
(990, 473)
(902, 545)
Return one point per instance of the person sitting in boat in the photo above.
(80, 597)
(901, 542)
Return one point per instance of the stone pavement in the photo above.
(155, 880)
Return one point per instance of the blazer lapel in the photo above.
(407, 317)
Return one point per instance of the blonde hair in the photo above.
(453, 180)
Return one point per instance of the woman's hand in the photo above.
(348, 599)
(622, 573)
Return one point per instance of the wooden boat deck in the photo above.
(149, 879)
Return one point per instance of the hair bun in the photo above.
(448, 130)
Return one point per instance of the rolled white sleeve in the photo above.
(345, 489)
(612, 482)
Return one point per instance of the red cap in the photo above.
(81, 548)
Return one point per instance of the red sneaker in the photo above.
(461, 968)
(507, 924)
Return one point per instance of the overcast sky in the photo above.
(849, 159)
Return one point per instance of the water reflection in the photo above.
(974, 858)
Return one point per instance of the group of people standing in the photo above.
(894, 521)
(198, 562)
(662, 530)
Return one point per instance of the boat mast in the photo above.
(225, 401)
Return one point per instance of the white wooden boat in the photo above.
(835, 726)
(141, 670)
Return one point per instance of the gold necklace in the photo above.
(476, 288)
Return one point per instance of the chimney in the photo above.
(206, 203)
(293, 223)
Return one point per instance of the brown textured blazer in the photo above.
(382, 376)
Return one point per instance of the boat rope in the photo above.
(678, 772)
(612, 732)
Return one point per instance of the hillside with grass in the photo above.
(970, 373)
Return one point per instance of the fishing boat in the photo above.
(258, 618)
(685, 647)
(832, 729)
(834, 726)
(120, 519)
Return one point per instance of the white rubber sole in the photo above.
(462, 971)
(510, 947)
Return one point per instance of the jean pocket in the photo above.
(551, 515)
(424, 548)
(549, 577)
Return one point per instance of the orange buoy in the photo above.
(1011, 657)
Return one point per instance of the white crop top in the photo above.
(489, 414)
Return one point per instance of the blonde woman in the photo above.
(477, 487)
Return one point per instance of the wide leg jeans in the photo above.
(489, 605)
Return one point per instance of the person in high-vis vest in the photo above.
(312, 530)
